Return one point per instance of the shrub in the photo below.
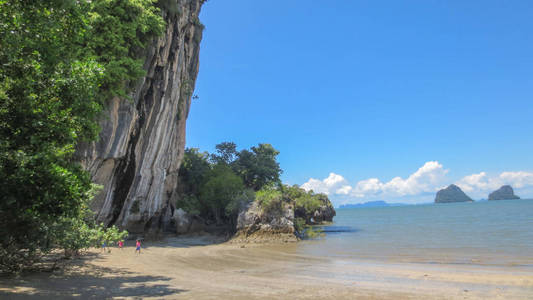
(270, 200)
(299, 225)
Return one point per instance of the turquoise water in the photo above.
(495, 233)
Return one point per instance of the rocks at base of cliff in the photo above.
(256, 226)
(186, 223)
(503, 193)
(451, 194)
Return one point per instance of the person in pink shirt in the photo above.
(138, 246)
(120, 244)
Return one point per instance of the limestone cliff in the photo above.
(503, 193)
(142, 141)
(451, 194)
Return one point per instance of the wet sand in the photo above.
(198, 268)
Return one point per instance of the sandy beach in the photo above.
(201, 268)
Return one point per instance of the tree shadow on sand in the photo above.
(87, 282)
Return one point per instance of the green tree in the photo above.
(258, 167)
(58, 61)
(217, 186)
(193, 170)
(192, 175)
(47, 101)
(222, 187)
(119, 32)
(226, 152)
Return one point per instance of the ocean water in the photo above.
(484, 233)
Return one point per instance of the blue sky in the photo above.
(372, 90)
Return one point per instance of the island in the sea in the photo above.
(452, 194)
(503, 193)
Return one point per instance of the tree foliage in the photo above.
(258, 167)
(119, 31)
(59, 60)
(220, 189)
(215, 186)
(270, 199)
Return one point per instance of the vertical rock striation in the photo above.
(141, 145)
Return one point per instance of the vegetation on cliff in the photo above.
(217, 187)
(59, 61)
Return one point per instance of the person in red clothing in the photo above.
(120, 244)
(138, 246)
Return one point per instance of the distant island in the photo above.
(371, 204)
(452, 194)
(504, 193)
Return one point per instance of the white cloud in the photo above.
(481, 184)
(517, 179)
(479, 181)
(418, 187)
(368, 186)
(333, 182)
(427, 178)
(344, 190)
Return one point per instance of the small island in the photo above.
(503, 193)
(451, 194)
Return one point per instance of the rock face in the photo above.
(142, 141)
(256, 226)
(451, 194)
(504, 193)
(324, 213)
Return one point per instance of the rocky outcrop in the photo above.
(142, 141)
(504, 193)
(324, 213)
(256, 226)
(451, 194)
(185, 223)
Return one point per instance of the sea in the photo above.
(484, 233)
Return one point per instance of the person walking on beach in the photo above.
(138, 246)
(104, 245)
(120, 244)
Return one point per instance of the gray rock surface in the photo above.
(182, 220)
(503, 193)
(141, 145)
(254, 225)
(451, 194)
(325, 213)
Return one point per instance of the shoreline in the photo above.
(202, 267)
